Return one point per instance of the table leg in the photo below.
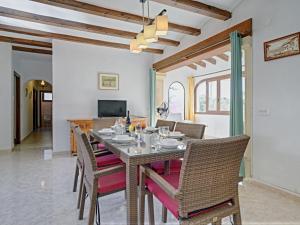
(131, 190)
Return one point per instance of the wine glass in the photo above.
(164, 131)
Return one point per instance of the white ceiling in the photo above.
(132, 6)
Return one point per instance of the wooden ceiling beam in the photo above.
(192, 66)
(201, 63)
(23, 41)
(32, 50)
(224, 57)
(198, 7)
(211, 61)
(114, 14)
(192, 53)
(17, 14)
(65, 37)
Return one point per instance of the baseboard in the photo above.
(280, 190)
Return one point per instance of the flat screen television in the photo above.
(112, 108)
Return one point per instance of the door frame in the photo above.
(35, 103)
(17, 94)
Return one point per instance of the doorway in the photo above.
(35, 118)
(17, 133)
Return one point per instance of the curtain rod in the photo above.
(207, 74)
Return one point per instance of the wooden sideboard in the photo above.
(87, 124)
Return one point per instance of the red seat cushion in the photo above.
(170, 203)
(107, 160)
(175, 166)
(101, 146)
(112, 182)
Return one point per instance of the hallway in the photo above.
(36, 189)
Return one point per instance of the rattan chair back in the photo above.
(210, 173)
(165, 123)
(105, 122)
(191, 130)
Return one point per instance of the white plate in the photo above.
(170, 143)
(151, 129)
(106, 131)
(176, 134)
(123, 139)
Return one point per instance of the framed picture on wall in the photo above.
(108, 81)
(282, 47)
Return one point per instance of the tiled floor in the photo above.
(34, 191)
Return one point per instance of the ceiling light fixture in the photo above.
(151, 30)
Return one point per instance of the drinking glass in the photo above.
(164, 131)
(138, 131)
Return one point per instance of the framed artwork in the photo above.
(108, 81)
(282, 47)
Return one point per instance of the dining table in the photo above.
(134, 154)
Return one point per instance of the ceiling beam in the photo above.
(192, 66)
(211, 61)
(224, 57)
(193, 53)
(23, 41)
(17, 14)
(114, 14)
(198, 7)
(65, 37)
(32, 50)
(201, 63)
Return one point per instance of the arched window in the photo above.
(177, 100)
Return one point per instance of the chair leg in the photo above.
(76, 178)
(92, 211)
(142, 199)
(82, 203)
(237, 219)
(164, 214)
(80, 190)
(151, 209)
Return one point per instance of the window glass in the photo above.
(47, 96)
(201, 97)
(176, 99)
(225, 95)
(212, 96)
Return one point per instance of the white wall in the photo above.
(276, 149)
(6, 97)
(30, 67)
(75, 83)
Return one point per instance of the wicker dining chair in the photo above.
(98, 182)
(103, 159)
(191, 130)
(205, 190)
(165, 123)
(98, 124)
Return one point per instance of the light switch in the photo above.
(263, 112)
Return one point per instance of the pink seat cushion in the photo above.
(101, 146)
(112, 182)
(107, 160)
(170, 203)
(175, 166)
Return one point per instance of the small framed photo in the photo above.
(282, 47)
(108, 81)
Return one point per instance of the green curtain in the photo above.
(152, 113)
(236, 92)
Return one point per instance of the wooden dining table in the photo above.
(133, 155)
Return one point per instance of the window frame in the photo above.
(183, 96)
(208, 112)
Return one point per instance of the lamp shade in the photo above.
(162, 25)
(134, 46)
(141, 42)
(150, 33)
